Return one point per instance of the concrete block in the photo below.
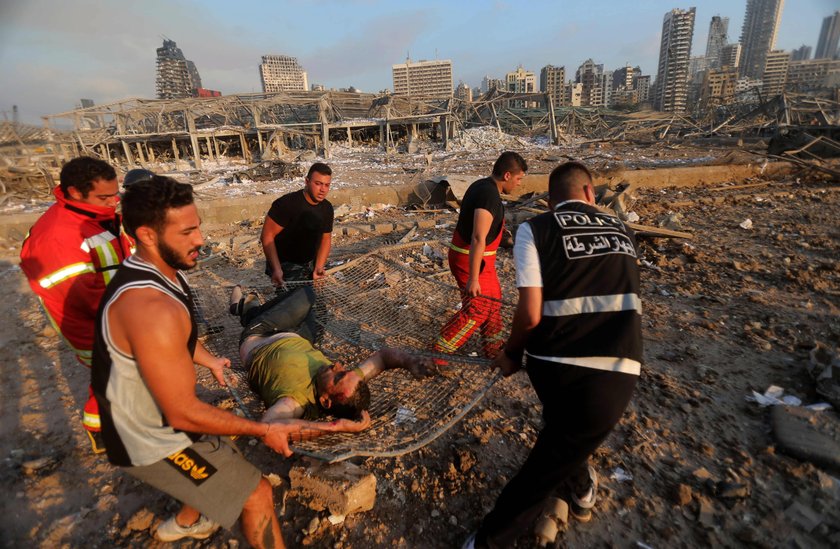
(425, 223)
(383, 228)
(343, 488)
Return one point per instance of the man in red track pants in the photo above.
(472, 258)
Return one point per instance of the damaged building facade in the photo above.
(280, 73)
(423, 78)
(177, 76)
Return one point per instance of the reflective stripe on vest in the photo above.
(467, 252)
(108, 256)
(64, 273)
(593, 304)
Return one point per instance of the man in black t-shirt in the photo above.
(297, 234)
(472, 257)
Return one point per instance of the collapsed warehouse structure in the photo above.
(260, 127)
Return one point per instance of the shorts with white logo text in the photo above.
(211, 476)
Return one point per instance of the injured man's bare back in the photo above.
(293, 378)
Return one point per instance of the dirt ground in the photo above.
(692, 463)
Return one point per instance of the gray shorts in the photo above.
(211, 476)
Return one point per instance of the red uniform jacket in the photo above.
(70, 254)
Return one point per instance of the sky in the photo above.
(55, 52)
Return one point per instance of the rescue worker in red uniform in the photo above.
(472, 258)
(70, 255)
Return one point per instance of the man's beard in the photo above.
(312, 196)
(171, 257)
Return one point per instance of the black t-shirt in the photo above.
(303, 225)
(483, 194)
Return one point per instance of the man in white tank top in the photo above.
(154, 425)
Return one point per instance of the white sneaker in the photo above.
(170, 530)
(469, 543)
(582, 505)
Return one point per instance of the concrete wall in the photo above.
(230, 210)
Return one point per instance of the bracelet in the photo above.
(515, 356)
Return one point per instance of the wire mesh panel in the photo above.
(392, 297)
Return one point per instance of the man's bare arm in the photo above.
(390, 358)
(322, 255)
(160, 349)
(270, 230)
(482, 219)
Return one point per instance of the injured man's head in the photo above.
(341, 392)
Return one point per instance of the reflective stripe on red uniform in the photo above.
(90, 414)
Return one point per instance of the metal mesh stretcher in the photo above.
(390, 297)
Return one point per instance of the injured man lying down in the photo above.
(293, 378)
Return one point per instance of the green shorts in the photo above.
(212, 476)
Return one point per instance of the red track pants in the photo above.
(477, 313)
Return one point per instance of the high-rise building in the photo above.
(574, 92)
(730, 55)
(624, 96)
(717, 40)
(674, 53)
(745, 83)
(464, 92)
(485, 83)
(591, 76)
(521, 81)
(623, 77)
(423, 78)
(719, 86)
(697, 67)
(775, 73)
(813, 74)
(642, 85)
(177, 77)
(488, 84)
(829, 37)
(282, 73)
(802, 53)
(606, 84)
(552, 82)
(626, 86)
(697, 64)
(758, 35)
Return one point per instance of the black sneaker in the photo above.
(581, 507)
(96, 442)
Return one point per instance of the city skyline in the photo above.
(62, 52)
